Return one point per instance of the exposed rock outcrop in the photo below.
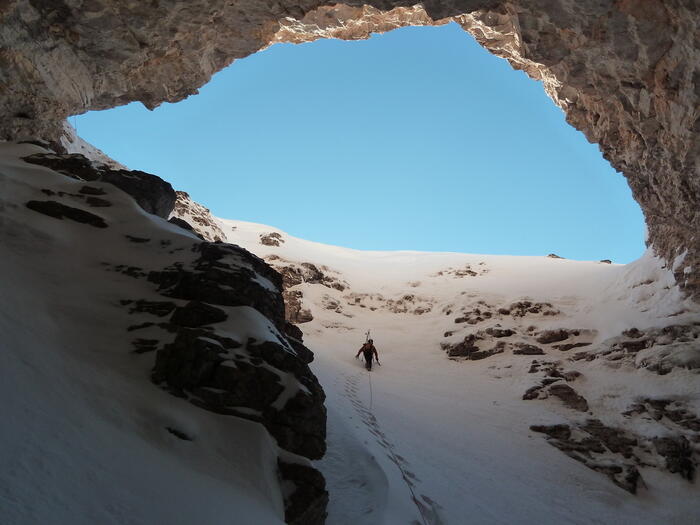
(271, 239)
(224, 274)
(569, 397)
(552, 336)
(243, 378)
(403, 304)
(294, 308)
(306, 501)
(297, 273)
(617, 452)
(197, 217)
(604, 449)
(184, 225)
(294, 274)
(150, 192)
(207, 320)
(526, 349)
(657, 349)
(60, 211)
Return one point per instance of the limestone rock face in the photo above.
(626, 73)
(198, 217)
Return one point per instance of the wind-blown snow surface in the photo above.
(84, 436)
(426, 439)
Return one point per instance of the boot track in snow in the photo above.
(427, 507)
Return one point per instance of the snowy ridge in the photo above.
(460, 419)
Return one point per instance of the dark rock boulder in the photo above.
(500, 332)
(197, 313)
(569, 397)
(552, 336)
(60, 211)
(593, 447)
(218, 374)
(674, 410)
(635, 346)
(265, 380)
(150, 192)
(271, 239)
(196, 217)
(524, 308)
(242, 384)
(228, 275)
(191, 359)
(464, 348)
(532, 393)
(571, 375)
(618, 452)
(678, 455)
(554, 431)
(184, 225)
(72, 165)
(569, 346)
(295, 338)
(498, 348)
(526, 349)
(294, 310)
(306, 272)
(293, 332)
(300, 426)
(306, 500)
(615, 439)
(633, 333)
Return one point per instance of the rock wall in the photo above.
(625, 72)
(207, 318)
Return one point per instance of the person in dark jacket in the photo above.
(368, 351)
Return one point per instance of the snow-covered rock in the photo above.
(149, 375)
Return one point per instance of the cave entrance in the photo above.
(414, 139)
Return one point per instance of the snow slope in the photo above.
(427, 439)
(85, 434)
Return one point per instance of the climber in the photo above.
(369, 351)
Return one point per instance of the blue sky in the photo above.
(415, 139)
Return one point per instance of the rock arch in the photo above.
(626, 73)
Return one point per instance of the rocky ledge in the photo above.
(212, 318)
(264, 380)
